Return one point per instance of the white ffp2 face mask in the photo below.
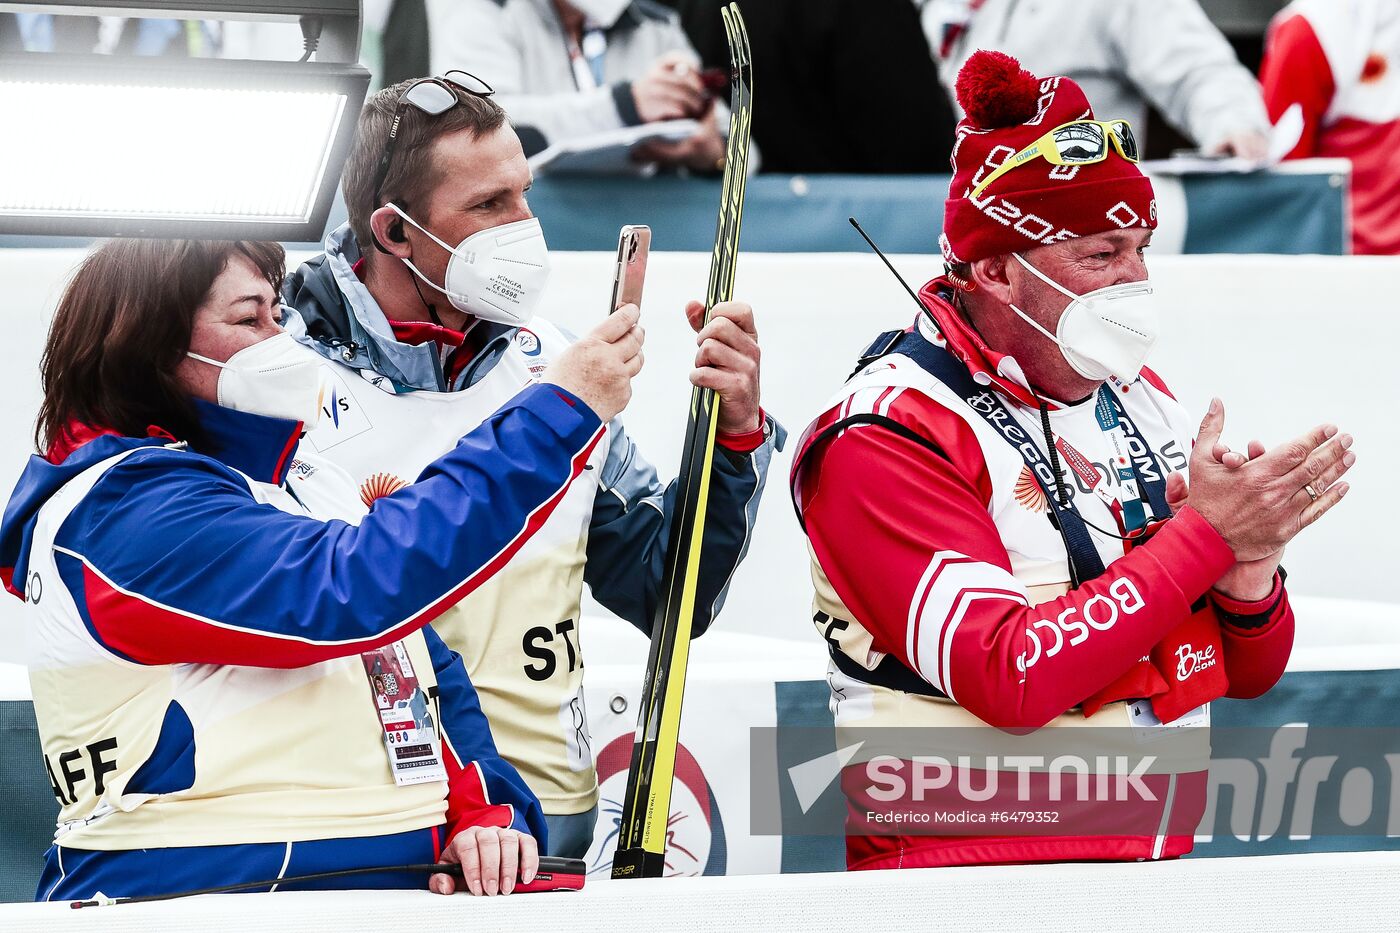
(1107, 332)
(496, 274)
(274, 377)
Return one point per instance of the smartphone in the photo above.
(557, 874)
(633, 244)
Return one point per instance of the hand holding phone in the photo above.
(630, 272)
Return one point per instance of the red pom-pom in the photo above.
(995, 91)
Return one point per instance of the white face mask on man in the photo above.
(1107, 332)
(273, 377)
(496, 274)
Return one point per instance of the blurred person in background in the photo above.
(178, 38)
(1125, 54)
(424, 304)
(571, 68)
(404, 40)
(10, 38)
(49, 32)
(211, 605)
(846, 85)
(118, 35)
(1338, 62)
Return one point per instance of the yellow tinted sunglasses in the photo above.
(1081, 142)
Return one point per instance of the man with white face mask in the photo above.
(424, 304)
(999, 522)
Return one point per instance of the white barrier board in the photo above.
(1351, 891)
(1286, 341)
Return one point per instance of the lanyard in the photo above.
(1084, 561)
(1111, 423)
(586, 58)
(594, 47)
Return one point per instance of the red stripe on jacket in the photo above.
(150, 633)
(468, 803)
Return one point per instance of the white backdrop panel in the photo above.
(1287, 342)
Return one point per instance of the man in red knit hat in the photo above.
(1001, 530)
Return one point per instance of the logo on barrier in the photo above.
(695, 840)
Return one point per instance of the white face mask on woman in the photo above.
(274, 377)
(496, 274)
(1107, 332)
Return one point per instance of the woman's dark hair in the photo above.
(123, 327)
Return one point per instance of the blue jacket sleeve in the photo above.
(483, 789)
(170, 558)
(631, 526)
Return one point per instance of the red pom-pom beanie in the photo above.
(1008, 108)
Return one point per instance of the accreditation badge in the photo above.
(407, 717)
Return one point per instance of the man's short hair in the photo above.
(412, 173)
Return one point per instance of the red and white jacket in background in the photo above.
(931, 544)
(1339, 60)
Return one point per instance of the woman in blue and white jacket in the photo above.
(230, 659)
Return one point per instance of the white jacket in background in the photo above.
(520, 49)
(1125, 54)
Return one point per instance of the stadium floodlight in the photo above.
(100, 145)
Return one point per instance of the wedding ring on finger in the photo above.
(1307, 488)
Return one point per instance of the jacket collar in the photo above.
(945, 325)
(260, 447)
(255, 445)
(336, 316)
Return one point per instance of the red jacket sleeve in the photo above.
(1295, 71)
(1257, 638)
(483, 789)
(906, 540)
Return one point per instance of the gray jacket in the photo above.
(1125, 54)
(520, 49)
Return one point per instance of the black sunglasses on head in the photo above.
(434, 97)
